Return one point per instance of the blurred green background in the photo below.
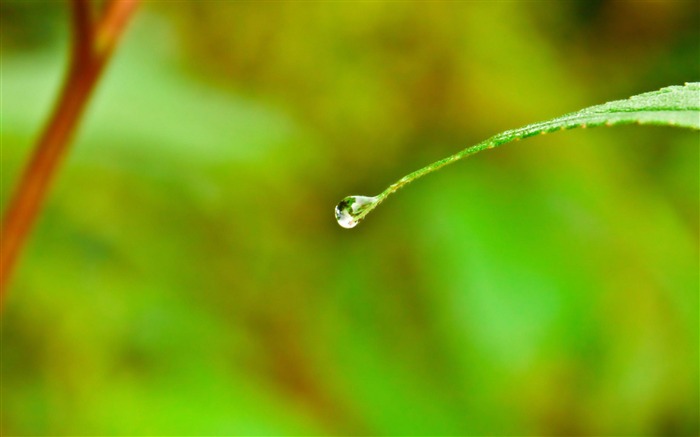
(187, 275)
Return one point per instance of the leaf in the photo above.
(677, 106)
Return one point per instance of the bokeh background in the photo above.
(187, 275)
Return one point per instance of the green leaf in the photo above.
(677, 106)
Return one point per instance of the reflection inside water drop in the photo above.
(349, 211)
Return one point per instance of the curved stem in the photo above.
(82, 30)
(90, 52)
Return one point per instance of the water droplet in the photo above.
(350, 210)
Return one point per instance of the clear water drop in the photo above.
(350, 210)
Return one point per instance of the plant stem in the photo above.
(91, 50)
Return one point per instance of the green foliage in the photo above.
(677, 106)
(185, 278)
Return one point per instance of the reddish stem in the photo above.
(91, 50)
